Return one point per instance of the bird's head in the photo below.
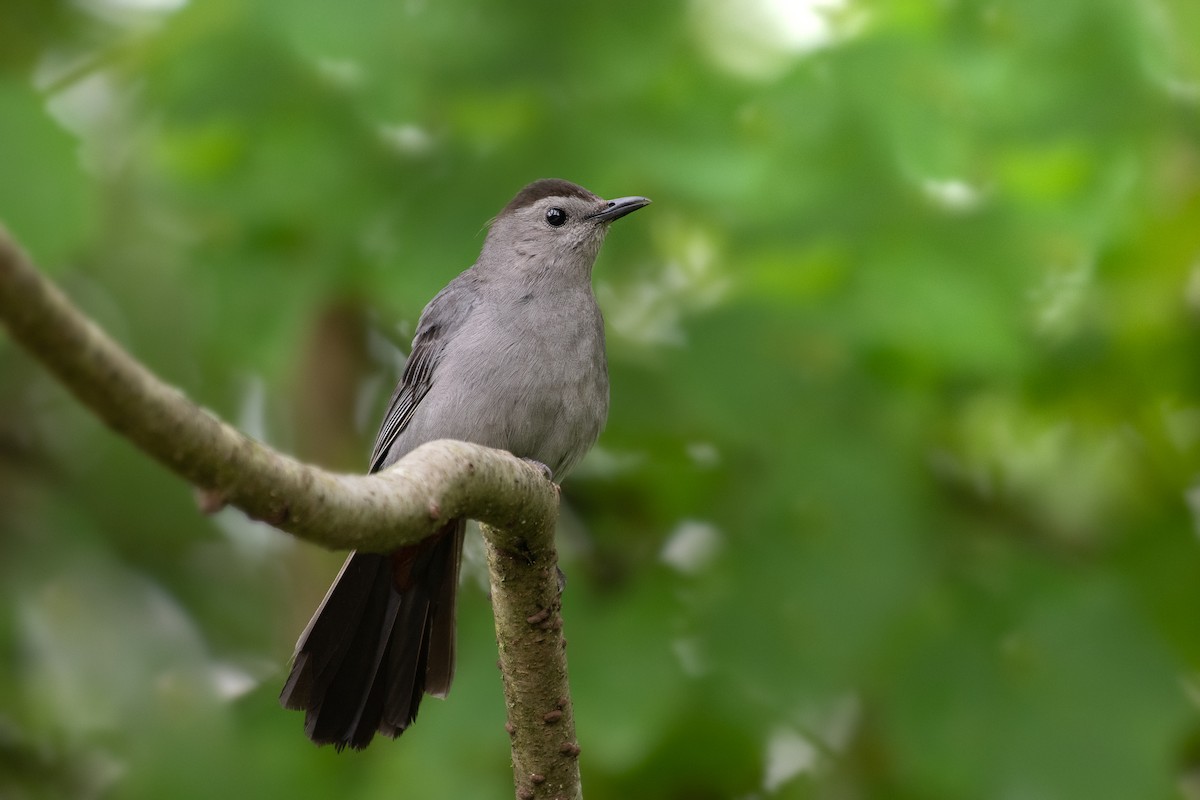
(553, 228)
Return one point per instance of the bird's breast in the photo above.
(530, 377)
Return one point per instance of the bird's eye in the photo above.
(556, 216)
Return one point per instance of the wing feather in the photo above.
(439, 323)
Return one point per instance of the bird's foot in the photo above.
(540, 467)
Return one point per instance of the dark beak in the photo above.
(615, 209)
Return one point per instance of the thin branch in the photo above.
(533, 664)
(401, 505)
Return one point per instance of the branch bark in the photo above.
(379, 512)
(526, 602)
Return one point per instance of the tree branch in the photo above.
(379, 512)
(533, 664)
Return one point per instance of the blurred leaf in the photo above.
(45, 199)
(907, 342)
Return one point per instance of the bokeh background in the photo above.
(898, 497)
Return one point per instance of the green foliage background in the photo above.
(898, 497)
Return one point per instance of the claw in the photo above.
(540, 467)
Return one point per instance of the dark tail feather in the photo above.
(382, 637)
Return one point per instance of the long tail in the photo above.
(382, 637)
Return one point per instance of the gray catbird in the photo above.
(509, 355)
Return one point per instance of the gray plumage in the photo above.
(509, 355)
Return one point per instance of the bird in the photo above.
(510, 355)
